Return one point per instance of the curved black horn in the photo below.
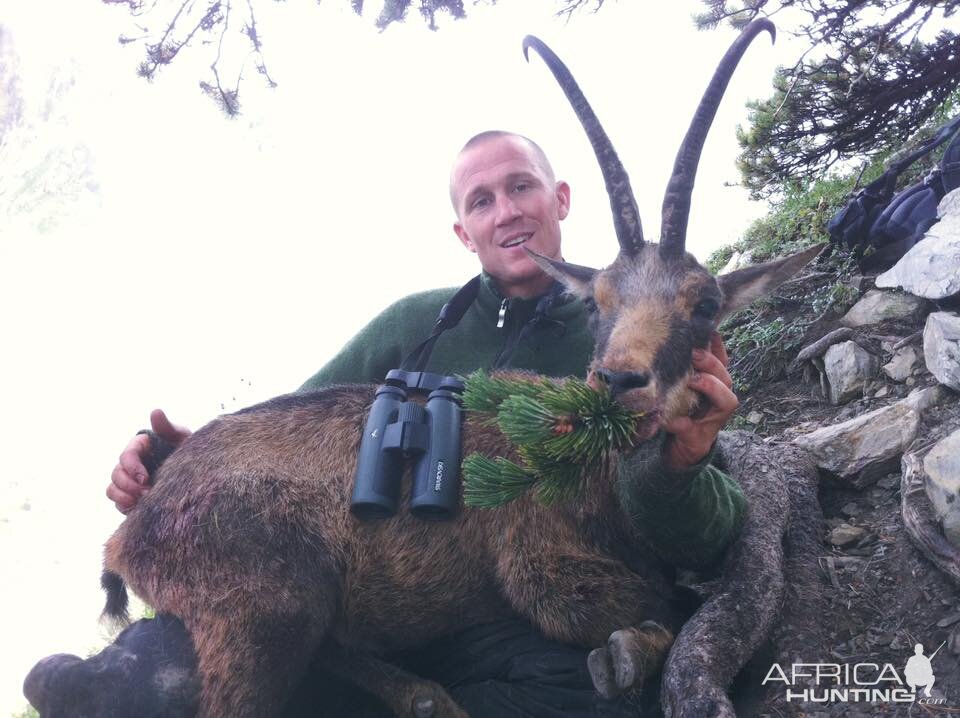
(676, 201)
(626, 217)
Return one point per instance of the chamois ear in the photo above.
(743, 286)
(576, 278)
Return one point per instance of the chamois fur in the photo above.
(247, 538)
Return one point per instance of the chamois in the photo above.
(248, 538)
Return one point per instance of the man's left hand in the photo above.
(689, 439)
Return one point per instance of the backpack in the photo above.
(890, 224)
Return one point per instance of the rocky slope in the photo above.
(873, 397)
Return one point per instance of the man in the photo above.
(506, 198)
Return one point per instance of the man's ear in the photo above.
(577, 279)
(743, 286)
(464, 237)
(563, 198)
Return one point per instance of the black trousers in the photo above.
(504, 669)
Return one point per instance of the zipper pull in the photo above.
(503, 314)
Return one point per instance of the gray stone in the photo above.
(931, 268)
(941, 468)
(941, 348)
(953, 641)
(923, 399)
(876, 306)
(948, 620)
(860, 282)
(845, 534)
(850, 509)
(737, 260)
(902, 364)
(848, 367)
(891, 481)
(863, 449)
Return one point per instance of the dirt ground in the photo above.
(884, 596)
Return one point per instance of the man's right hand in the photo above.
(130, 480)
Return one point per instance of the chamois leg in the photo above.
(723, 634)
(592, 600)
(404, 693)
(252, 653)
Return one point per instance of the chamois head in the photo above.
(655, 303)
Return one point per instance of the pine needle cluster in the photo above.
(562, 430)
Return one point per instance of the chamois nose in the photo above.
(622, 381)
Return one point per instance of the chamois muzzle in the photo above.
(623, 381)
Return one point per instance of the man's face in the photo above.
(506, 200)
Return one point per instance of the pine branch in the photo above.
(492, 482)
(562, 431)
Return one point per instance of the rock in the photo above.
(755, 417)
(850, 509)
(860, 282)
(898, 644)
(892, 481)
(861, 450)
(948, 620)
(881, 392)
(903, 363)
(931, 268)
(953, 641)
(876, 306)
(737, 260)
(941, 348)
(848, 367)
(845, 534)
(923, 399)
(819, 347)
(941, 467)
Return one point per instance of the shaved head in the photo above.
(538, 156)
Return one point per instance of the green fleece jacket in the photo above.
(689, 517)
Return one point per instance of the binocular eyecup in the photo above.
(398, 430)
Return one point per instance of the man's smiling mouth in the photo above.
(516, 241)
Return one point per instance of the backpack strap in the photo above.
(950, 165)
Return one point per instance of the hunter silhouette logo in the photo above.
(919, 670)
(859, 682)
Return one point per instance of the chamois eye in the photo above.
(590, 304)
(706, 309)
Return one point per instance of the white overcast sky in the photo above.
(210, 262)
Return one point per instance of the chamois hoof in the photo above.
(631, 656)
(423, 708)
(436, 704)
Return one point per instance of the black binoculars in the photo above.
(398, 430)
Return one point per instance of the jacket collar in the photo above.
(490, 300)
